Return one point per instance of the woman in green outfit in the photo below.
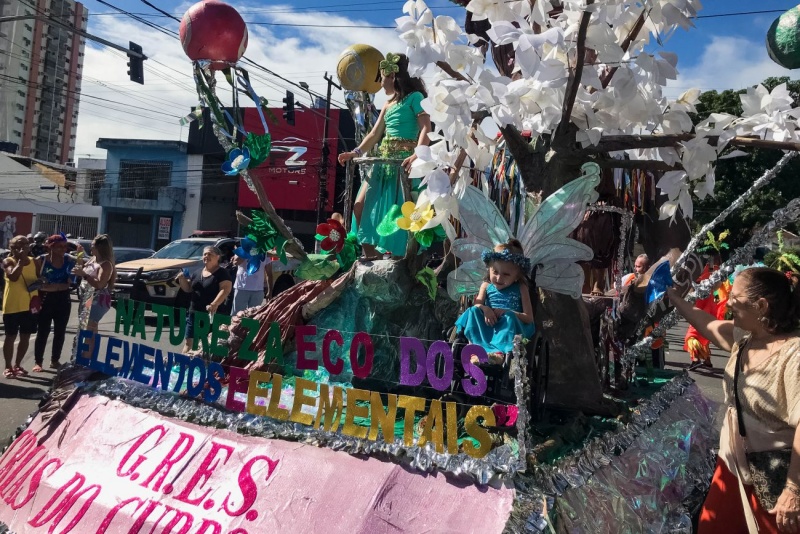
(405, 125)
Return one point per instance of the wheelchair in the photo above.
(500, 380)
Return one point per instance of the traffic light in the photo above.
(136, 64)
(288, 108)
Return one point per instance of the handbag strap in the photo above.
(736, 372)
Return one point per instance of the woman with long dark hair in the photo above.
(405, 125)
(56, 305)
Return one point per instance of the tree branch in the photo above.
(640, 164)
(445, 66)
(612, 143)
(575, 75)
(632, 35)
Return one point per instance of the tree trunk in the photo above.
(574, 380)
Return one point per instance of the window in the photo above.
(141, 179)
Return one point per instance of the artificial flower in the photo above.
(249, 251)
(414, 219)
(334, 236)
(238, 160)
(390, 64)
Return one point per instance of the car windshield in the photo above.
(121, 256)
(183, 250)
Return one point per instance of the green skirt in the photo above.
(384, 191)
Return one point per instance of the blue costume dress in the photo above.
(500, 337)
(383, 188)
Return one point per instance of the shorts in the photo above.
(101, 303)
(20, 322)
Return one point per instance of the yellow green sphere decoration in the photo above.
(783, 39)
(357, 68)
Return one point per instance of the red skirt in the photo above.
(722, 510)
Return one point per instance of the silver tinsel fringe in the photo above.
(741, 256)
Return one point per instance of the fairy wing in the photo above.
(480, 219)
(484, 227)
(471, 271)
(545, 240)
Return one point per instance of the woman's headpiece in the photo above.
(390, 64)
(488, 256)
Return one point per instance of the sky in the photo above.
(721, 52)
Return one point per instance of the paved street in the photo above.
(21, 396)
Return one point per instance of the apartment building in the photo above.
(40, 77)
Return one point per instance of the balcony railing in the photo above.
(142, 198)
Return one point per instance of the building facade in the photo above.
(292, 175)
(37, 196)
(150, 194)
(40, 77)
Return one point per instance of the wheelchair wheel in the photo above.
(538, 374)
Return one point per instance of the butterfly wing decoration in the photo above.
(544, 236)
(484, 226)
(471, 271)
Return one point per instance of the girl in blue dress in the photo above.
(405, 125)
(503, 306)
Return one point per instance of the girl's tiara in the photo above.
(488, 256)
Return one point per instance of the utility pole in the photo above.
(322, 201)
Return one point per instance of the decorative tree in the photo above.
(575, 85)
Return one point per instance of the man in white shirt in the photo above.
(251, 289)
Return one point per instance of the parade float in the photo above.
(344, 404)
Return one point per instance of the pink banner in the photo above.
(109, 467)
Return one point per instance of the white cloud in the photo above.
(299, 54)
(726, 63)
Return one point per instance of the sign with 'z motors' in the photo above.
(290, 174)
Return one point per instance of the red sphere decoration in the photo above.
(214, 31)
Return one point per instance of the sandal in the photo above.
(37, 368)
(19, 371)
(9, 373)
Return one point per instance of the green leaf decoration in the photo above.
(266, 236)
(259, 146)
(349, 254)
(429, 236)
(228, 75)
(425, 237)
(317, 267)
(211, 99)
(267, 111)
(280, 248)
(427, 277)
(388, 225)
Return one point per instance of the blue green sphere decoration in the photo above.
(783, 39)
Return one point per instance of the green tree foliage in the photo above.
(734, 176)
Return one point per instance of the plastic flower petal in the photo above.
(414, 218)
(238, 160)
(334, 236)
